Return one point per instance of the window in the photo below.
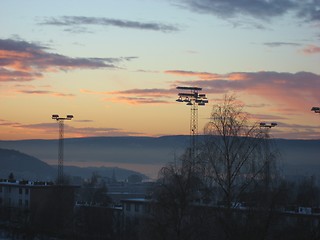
(20, 202)
(20, 190)
(26, 203)
(27, 191)
(0, 201)
(136, 207)
(0, 188)
(128, 207)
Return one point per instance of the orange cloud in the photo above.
(13, 54)
(92, 92)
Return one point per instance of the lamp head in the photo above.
(315, 109)
(262, 124)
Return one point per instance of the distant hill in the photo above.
(143, 154)
(149, 154)
(24, 166)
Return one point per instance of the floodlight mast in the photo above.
(267, 127)
(60, 121)
(192, 98)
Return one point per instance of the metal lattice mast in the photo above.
(60, 121)
(61, 150)
(267, 167)
(194, 99)
(194, 127)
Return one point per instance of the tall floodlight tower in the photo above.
(60, 121)
(193, 98)
(267, 127)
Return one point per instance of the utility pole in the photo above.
(60, 121)
(193, 98)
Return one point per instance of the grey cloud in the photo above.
(267, 116)
(260, 9)
(19, 46)
(283, 80)
(310, 10)
(279, 44)
(83, 121)
(229, 8)
(79, 20)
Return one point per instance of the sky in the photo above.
(115, 65)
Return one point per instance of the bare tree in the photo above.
(94, 191)
(236, 158)
(235, 152)
(174, 199)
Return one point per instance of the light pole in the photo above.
(267, 127)
(60, 121)
(193, 98)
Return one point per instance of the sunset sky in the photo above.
(115, 65)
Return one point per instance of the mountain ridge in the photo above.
(24, 166)
(149, 152)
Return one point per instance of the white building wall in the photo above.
(15, 195)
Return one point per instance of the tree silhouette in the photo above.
(236, 159)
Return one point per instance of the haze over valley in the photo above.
(148, 154)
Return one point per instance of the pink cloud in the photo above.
(137, 96)
(155, 92)
(42, 92)
(297, 90)
(50, 129)
(23, 61)
(311, 49)
(137, 100)
(284, 92)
